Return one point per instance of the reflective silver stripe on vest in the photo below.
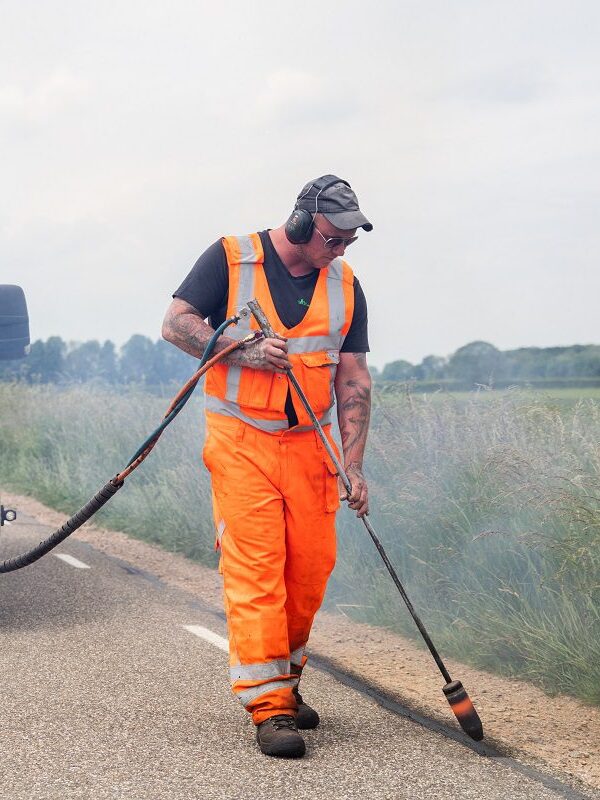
(220, 530)
(248, 695)
(229, 409)
(337, 316)
(245, 292)
(259, 672)
(330, 343)
(335, 298)
(313, 344)
(296, 656)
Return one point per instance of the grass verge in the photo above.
(489, 508)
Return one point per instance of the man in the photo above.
(275, 492)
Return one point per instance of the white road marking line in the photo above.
(205, 633)
(74, 562)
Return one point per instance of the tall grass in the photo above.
(61, 446)
(489, 508)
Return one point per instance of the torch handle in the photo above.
(260, 316)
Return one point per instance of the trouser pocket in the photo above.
(332, 495)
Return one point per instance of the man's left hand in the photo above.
(359, 496)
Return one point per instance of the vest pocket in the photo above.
(316, 372)
(262, 390)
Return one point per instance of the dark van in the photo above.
(14, 323)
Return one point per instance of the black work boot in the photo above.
(306, 717)
(278, 736)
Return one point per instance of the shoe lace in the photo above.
(283, 721)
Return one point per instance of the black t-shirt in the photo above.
(207, 289)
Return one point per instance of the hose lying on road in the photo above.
(113, 486)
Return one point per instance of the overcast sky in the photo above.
(134, 134)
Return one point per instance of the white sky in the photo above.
(133, 134)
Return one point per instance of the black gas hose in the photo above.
(113, 486)
(76, 521)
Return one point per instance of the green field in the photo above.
(488, 504)
(568, 395)
(560, 395)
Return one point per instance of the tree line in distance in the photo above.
(142, 361)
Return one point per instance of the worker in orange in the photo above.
(275, 492)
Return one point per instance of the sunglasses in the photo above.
(335, 241)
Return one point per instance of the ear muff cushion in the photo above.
(298, 228)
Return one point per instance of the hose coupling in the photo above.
(252, 337)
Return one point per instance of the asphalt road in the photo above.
(105, 694)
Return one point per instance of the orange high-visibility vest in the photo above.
(256, 396)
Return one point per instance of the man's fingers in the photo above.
(360, 501)
(280, 343)
(357, 490)
(280, 363)
(276, 356)
(361, 508)
(354, 496)
(270, 355)
(278, 352)
(276, 359)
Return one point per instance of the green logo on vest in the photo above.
(302, 302)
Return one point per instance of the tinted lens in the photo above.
(337, 241)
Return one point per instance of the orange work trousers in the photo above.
(275, 497)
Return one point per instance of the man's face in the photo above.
(319, 254)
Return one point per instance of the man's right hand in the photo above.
(267, 354)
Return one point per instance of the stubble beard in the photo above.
(311, 262)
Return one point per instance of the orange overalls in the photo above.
(275, 492)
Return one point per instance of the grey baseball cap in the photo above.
(337, 203)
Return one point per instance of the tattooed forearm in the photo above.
(184, 327)
(354, 411)
(353, 390)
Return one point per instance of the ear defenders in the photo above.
(298, 228)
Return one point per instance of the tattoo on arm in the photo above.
(355, 411)
(184, 327)
(353, 390)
